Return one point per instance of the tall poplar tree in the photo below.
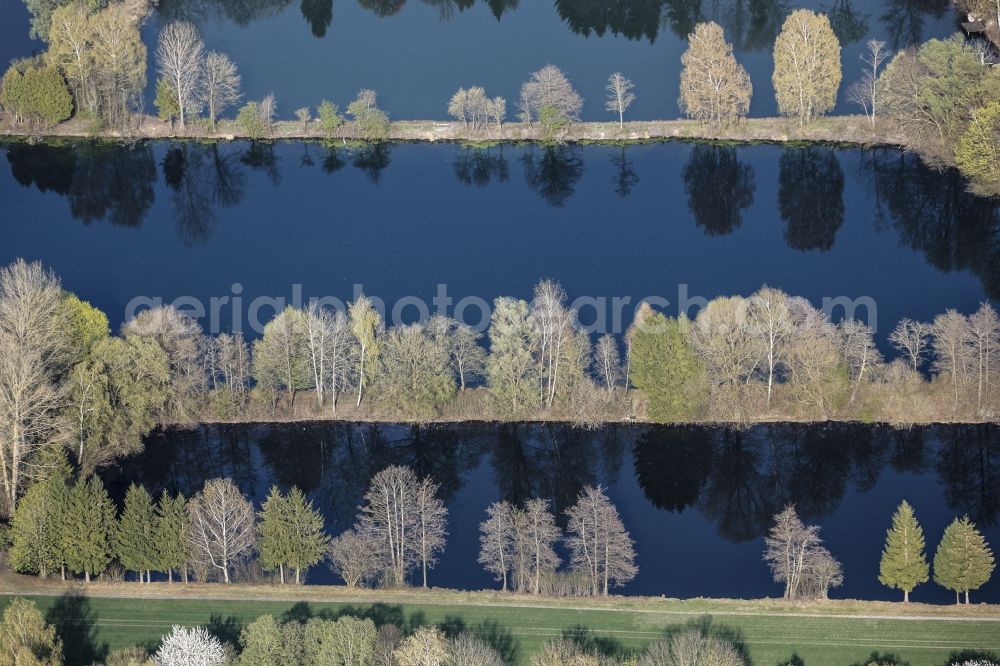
(963, 560)
(135, 533)
(904, 565)
(171, 524)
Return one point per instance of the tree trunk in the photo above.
(225, 573)
(281, 570)
(86, 576)
(170, 575)
(298, 579)
(966, 597)
(906, 596)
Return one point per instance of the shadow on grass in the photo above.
(74, 621)
(226, 629)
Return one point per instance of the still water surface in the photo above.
(170, 221)
(417, 53)
(697, 500)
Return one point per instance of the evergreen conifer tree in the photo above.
(170, 526)
(904, 565)
(963, 560)
(135, 532)
(88, 528)
(307, 540)
(274, 533)
(36, 528)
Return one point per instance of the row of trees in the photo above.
(95, 65)
(963, 560)
(73, 384)
(797, 557)
(941, 95)
(191, 79)
(73, 527)
(518, 546)
(26, 638)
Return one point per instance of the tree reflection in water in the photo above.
(736, 478)
(719, 188)
(810, 197)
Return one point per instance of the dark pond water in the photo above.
(167, 221)
(417, 53)
(696, 500)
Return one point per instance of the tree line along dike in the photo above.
(938, 99)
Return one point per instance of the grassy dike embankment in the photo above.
(833, 129)
(102, 616)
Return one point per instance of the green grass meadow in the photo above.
(92, 626)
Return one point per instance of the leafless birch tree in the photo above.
(32, 353)
(179, 55)
(601, 547)
(432, 522)
(220, 84)
(223, 528)
(496, 541)
(771, 320)
(984, 343)
(403, 521)
(912, 339)
(860, 352)
(949, 340)
(865, 92)
(607, 364)
(798, 559)
(620, 96)
(540, 534)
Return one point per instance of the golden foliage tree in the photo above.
(807, 70)
(714, 87)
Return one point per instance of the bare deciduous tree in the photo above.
(223, 529)
(352, 557)
(469, 650)
(771, 320)
(432, 521)
(984, 343)
(549, 88)
(911, 338)
(949, 337)
(220, 84)
(539, 534)
(620, 96)
(32, 353)
(860, 352)
(725, 340)
(470, 106)
(607, 363)
(179, 55)
(798, 558)
(496, 541)
(600, 545)
(404, 520)
(865, 92)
